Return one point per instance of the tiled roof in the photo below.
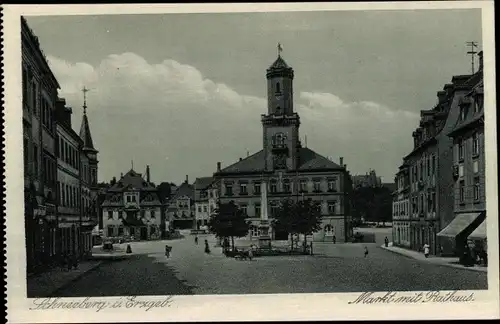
(134, 180)
(309, 160)
(202, 183)
(184, 189)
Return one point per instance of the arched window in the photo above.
(278, 88)
(328, 229)
(279, 139)
(278, 110)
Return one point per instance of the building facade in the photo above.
(205, 200)
(370, 179)
(469, 190)
(132, 209)
(181, 207)
(289, 169)
(401, 208)
(39, 96)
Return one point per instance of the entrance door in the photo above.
(144, 233)
(280, 235)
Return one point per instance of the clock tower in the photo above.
(281, 123)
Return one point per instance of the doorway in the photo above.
(144, 233)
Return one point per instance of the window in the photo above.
(462, 191)
(120, 230)
(205, 209)
(275, 209)
(254, 231)
(25, 86)
(257, 210)
(153, 214)
(63, 195)
(199, 209)
(132, 231)
(256, 187)
(279, 139)
(120, 214)
(274, 186)
(244, 209)
(428, 166)
(331, 207)
(278, 88)
(152, 230)
(462, 112)
(110, 230)
(229, 189)
(142, 213)
(476, 188)
(332, 185)
(110, 214)
(34, 97)
(460, 149)
(317, 186)
(475, 166)
(243, 189)
(35, 159)
(460, 170)
(128, 199)
(433, 164)
(475, 144)
(286, 185)
(303, 185)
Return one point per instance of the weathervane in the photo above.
(280, 49)
(85, 90)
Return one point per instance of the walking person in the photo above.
(196, 240)
(366, 251)
(386, 241)
(426, 250)
(167, 251)
(334, 239)
(207, 248)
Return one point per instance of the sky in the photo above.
(180, 92)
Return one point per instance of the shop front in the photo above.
(455, 235)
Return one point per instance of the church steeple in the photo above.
(85, 135)
(280, 86)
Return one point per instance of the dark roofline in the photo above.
(466, 126)
(33, 40)
(422, 147)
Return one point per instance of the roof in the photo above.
(85, 134)
(308, 160)
(133, 180)
(184, 190)
(203, 183)
(279, 64)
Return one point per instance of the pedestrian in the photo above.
(167, 251)
(386, 241)
(334, 239)
(366, 251)
(196, 240)
(207, 248)
(426, 250)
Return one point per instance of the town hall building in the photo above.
(288, 169)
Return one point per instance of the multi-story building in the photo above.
(401, 208)
(205, 200)
(431, 183)
(181, 207)
(39, 96)
(468, 188)
(289, 169)
(132, 209)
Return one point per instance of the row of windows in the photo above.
(142, 214)
(401, 208)
(71, 196)
(477, 106)
(275, 208)
(68, 153)
(425, 167)
(205, 209)
(120, 230)
(49, 170)
(418, 203)
(287, 187)
(31, 97)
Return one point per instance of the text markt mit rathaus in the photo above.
(420, 297)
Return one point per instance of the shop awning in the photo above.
(480, 232)
(459, 224)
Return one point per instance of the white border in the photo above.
(232, 307)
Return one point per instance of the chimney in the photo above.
(480, 55)
(341, 161)
(147, 174)
(187, 179)
(241, 159)
(121, 175)
(218, 166)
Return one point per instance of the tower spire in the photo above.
(85, 90)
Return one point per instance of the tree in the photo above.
(303, 217)
(228, 220)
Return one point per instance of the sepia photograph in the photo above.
(266, 152)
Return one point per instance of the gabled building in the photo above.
(132, 209)
(289, 169)
(401, 208)
(181, 207)
(468, 188)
